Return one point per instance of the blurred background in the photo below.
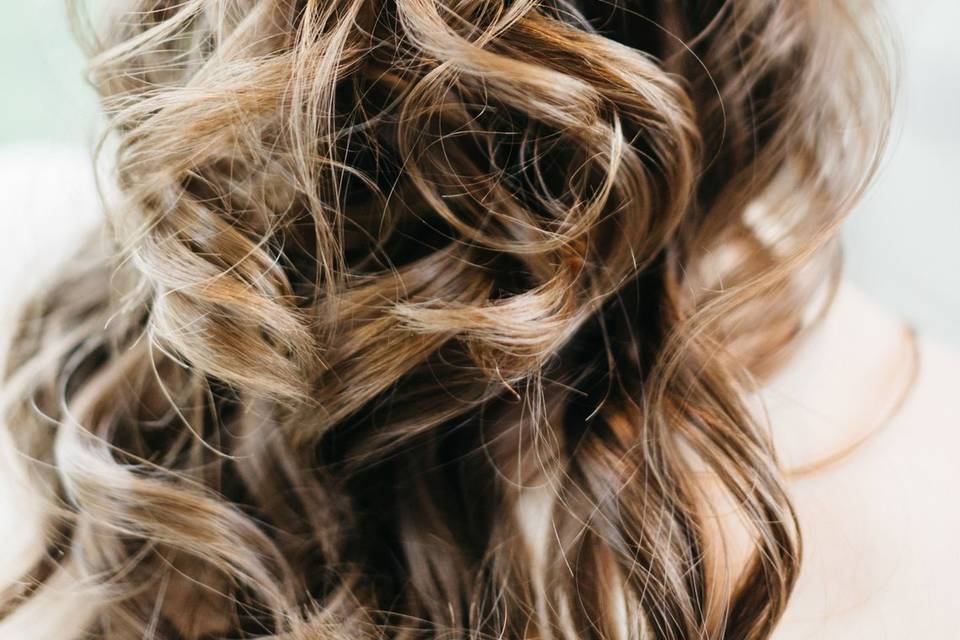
(901, 245)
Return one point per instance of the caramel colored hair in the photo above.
(438, 319)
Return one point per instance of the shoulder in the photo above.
(48, 199)
(46, 181)
(935, 405)
(880, 527)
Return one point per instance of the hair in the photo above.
(433, 319)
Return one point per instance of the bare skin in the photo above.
(880, 527)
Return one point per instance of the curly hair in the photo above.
(433, 319)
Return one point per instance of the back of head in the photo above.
(430, 319)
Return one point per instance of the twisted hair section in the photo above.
(436, 319)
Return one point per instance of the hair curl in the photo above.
(432, 319)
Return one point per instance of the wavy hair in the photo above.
(438, 319)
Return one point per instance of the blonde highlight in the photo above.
(430, 319)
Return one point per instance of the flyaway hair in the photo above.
(436, 319)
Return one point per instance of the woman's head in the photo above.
(434, 319)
